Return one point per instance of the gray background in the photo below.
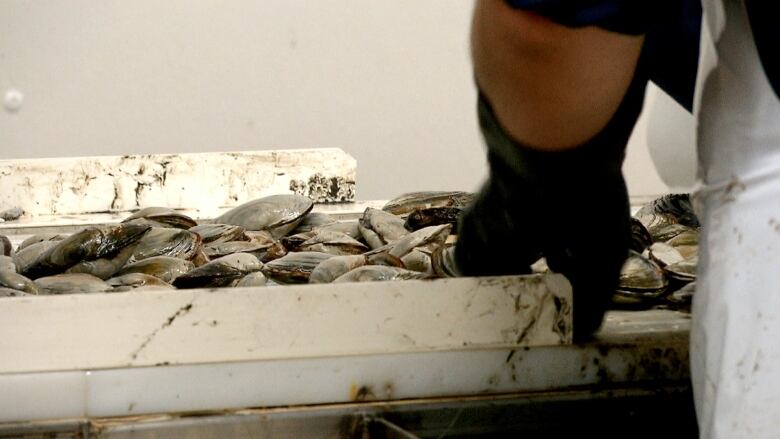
(388, 81)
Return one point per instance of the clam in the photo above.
(684, 271)
(432, 236)
(684, 238)
(7, 263)
(8, 292)
(71, 284)
(259, 237)
(407, 203)
(683, 297)
(26, 257)
(334, 243)
(640, 236)
(163, 267)
(379, 227)
(176, 243)
(6, 248)
(15, 281)
(133, 281)
(277, 214)
(264, 252)
(88, 244)
(162, 217)
(664, 254)
(223, 272)
(256, 279)
(40, 237)
(443, 262)
(433, 216)
(350, 228)
(669, 232)
(641, 281)
(418, 260)
(328, 270)
(294, 267)
(219, 233)
(368, 273)
(106, 267)
(313, 220)
(675, 207)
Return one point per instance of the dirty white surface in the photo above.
(204, 183)
(650, 347)
(272, 323)
(145, 352)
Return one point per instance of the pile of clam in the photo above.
(272, 240)
(279, 240)
(661, 267)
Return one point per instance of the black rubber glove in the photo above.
(571, 207)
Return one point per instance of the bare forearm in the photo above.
(551, 87)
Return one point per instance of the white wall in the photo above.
(388, 81)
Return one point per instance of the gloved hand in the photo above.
(571, 207)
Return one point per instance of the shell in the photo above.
(407, 203)
(221, 272)
(641, 274)
(219, 233)
(106, 267)
(328, 270)
(418, 260)
(176, 243)
(88, 244)
(640, 236)
(683, 297)
(71, 284)
(133, 281)
(6, 248)
(685, 270)
(676, 206)
(264, 252)
(350, 228)
(26, 257)
(8, 292)
(294, 267)
(433, 236)
(664, 254)
(40, 237)
(669, 232)
(163, 267)
(372, 273)
(163, 216)
(433, 216)
(7, 263)
(687, 237)
(379, 227)
(334, 243)
(15, 281)
(312, 221)
(256, 279)
(277, 214)
(642, 282)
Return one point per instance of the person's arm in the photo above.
(557, 105)
(551, 87)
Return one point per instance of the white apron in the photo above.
(735, 340)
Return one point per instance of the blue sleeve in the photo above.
(766, 32)
(671, 50)
(623, 16)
